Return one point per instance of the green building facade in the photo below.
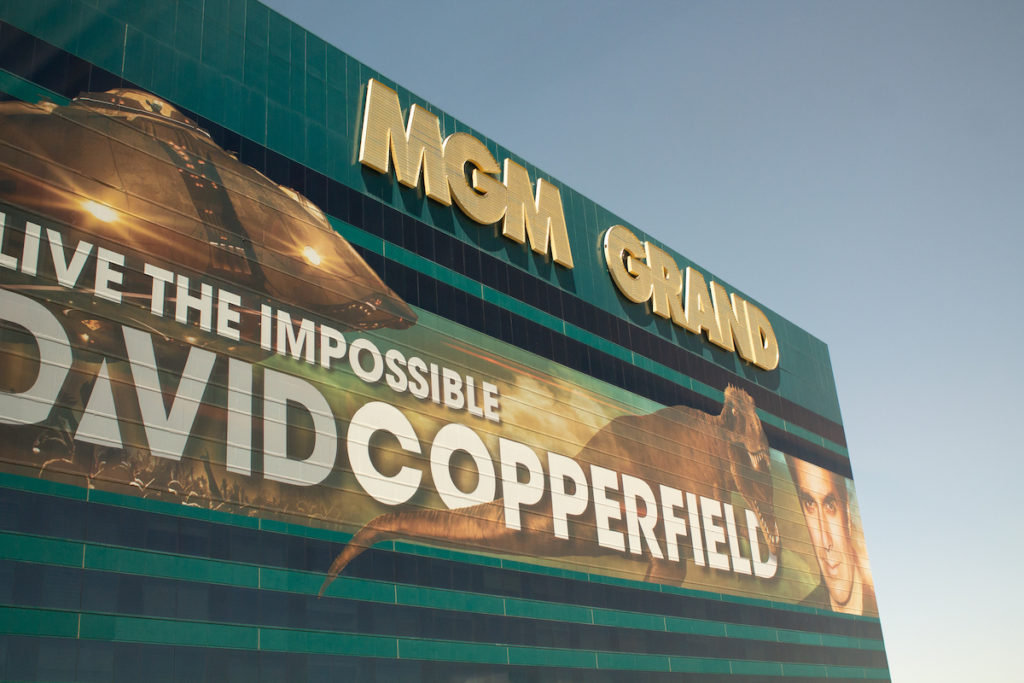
(301, 378)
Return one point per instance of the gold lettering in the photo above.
(700, 311)
(727, 320)
(766, 346)
(623, 253)
(483, 199)
(540, 218)
(416, 149)
(666, 297)
(731, 314)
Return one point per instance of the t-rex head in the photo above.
(749, 461)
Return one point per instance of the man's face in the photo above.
(828, 521)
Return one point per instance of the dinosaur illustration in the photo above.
(686, 449)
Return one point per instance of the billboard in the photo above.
(175, 326)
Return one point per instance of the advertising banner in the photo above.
(175, 326)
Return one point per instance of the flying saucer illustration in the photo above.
(128, 171)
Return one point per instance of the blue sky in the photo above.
(857, 167)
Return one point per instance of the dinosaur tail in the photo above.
(473, 526)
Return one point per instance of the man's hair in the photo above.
(838, 482)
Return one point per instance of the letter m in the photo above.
(415, 149)
(538, 218)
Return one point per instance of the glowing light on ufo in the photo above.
(311, 255)
(100, 211)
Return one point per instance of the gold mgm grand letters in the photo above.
(417, 150)
(643, 272)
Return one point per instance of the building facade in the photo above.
(303, 379)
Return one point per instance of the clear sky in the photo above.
(858, 167)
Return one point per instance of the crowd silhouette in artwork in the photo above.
(187, 481)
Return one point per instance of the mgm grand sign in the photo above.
(644, 272)
(459, 169)
(418, 151)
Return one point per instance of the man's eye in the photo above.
(809, 505)
(830, 508)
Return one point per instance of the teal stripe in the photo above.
(27, 91)
(534, 609)
(756, 668)
(451, 651)
(625, 661)
(168, 631)
(38, 622)
(146, 563)
(307, 583)
(817, 670)
(40, 550)
(539, 656)
(317, 642)
(458, 601)
(704, 665)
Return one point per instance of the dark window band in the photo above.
(121, 662)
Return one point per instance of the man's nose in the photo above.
(824, 532)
